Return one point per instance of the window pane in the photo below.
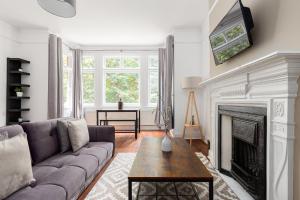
(65, 60)
(153, 61)
(65, 86)
(153, 87)
(67, 90)
(88, 62)
(112, 62)
(131, 62)
(88, 85)
(122, 85)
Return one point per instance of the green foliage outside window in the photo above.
(65, 86)
(113, 62)
(153, 76)
(88, 62)
(119, 62)
(131, 62)
(88, 82)
(122, 85)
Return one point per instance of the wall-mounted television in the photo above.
(232, 35)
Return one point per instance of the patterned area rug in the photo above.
(113, 185)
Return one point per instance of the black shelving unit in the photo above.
(14, 107)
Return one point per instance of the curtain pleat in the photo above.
(77, 85)
(161, 69)
(166, 79)
(55, 78)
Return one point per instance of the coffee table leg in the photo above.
(129, 190)
(211, 190)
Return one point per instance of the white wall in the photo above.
(31, 45)
(8, 44)
(34, 47)
(188, 53)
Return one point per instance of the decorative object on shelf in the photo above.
(61, 8)
(19, 91)
(166, 144)
(120, 104)
(20, 70)
(193, 120)
(191, 83)
(20, 119)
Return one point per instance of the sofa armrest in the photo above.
(102, 134)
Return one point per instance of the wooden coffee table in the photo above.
(180, 165)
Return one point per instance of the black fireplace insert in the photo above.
(248, 145)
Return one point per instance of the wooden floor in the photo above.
(125, 142)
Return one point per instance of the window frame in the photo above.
(89, 70)
(121, 69)
(68, 105)
(152, 69)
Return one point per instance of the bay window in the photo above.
(110, 76)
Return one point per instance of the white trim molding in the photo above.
(270, 82)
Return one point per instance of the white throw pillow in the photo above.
(15, 165)
(3, 135)
(78, 133)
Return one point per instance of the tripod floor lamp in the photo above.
(191, 122)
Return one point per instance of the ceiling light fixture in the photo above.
(61, 8)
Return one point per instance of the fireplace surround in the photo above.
(248, 147)
(270, 82)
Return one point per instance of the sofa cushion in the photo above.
(63, 135)
(15, 167)
(86, 162)
(101, 150)
(44, 192)
(42, 139)
(71, 178)
(78, 133)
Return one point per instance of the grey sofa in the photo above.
(62, 176)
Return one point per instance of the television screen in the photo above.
(232, 34)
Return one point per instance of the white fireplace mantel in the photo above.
(270, 82)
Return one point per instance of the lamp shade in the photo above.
(191, 82)
(61, 8)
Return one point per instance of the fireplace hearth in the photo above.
(248, 147)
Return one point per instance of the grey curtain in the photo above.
(55, 78)
(166, 86)
(161, 69)
(77, 86)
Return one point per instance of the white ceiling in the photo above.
(110, 22)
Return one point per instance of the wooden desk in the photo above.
(136, 120)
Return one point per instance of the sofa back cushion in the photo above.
(42, 139)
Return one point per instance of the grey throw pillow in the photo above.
(15, 167)
(3, 135)
(78, 133)
(63, 135)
